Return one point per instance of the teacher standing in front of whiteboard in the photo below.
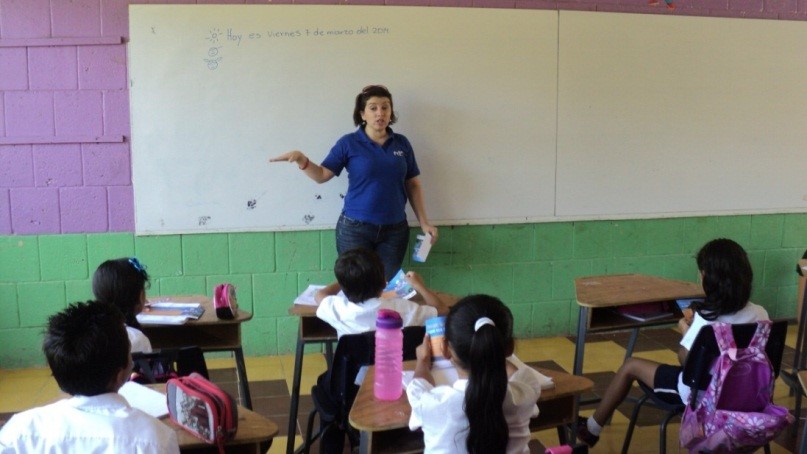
(382, 175)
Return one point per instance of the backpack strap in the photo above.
(760, 339)
(726, 343)
(724, 337)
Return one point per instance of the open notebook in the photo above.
(144, 398)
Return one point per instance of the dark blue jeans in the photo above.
(388, 241)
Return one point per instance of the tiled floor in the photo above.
(271, 377)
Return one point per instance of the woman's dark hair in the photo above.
(483, 353)
(368, 92)
(86, 345)
(360, 273)
(120, 282)
(726, 278)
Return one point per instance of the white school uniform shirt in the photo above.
(749, 314)
(105, 423)
(351, 318)
(439, 411)
(139, 341)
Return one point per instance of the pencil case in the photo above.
(225, 301)
(202, 408)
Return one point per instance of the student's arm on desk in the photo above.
(328, 290)
(423, 366)
(429, 297)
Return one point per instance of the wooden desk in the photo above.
(209, 332)
(557, 409)
(311, 330)
(599, 295)
(255, 434)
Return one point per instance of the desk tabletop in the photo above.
(624, 289)
(252, 429)
(370, 414)
(209, 317)
(304, 310)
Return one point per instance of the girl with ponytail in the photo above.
(488, 409)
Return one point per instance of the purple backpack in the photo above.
(735, 412)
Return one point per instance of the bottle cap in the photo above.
(388, 318)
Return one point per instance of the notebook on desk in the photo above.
(645, 312)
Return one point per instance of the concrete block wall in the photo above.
(531, 267)
(66, 199)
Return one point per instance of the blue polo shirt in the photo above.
(376, 175)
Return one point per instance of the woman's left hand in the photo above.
(431, 230)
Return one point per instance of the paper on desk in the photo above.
(144, 398)
(443, 372)
(307, 297)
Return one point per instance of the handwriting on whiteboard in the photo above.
(218, 39)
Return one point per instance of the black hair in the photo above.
(86, 346)
(483, 353)
(726, 278)
(120, 282)
(360, 273)
(368, 92)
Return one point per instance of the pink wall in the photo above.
(64, 107)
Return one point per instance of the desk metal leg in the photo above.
(329, 353)
(563, 435)
(295, 394)
(365, 438)
(634, 335)
(579, 351)
(580, 348)
(243, 384)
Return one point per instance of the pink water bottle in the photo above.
(388, 355)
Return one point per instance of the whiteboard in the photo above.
(672, 115)
(218, 89)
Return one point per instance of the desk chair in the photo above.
(335, 391)
(697, 370)
(159, 365)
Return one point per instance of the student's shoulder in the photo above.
(32, 418)
(760, 313)
(401, 304)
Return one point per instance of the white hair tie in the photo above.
(482, 321)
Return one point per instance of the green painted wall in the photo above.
(531, 267)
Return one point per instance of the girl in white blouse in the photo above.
(123, 282)
(488, 409)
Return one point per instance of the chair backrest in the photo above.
(704, 351)
(353, 351)
(159, 365)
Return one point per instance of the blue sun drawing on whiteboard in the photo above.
(213, 35)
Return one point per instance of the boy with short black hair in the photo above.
(360, 275)
(88, 352)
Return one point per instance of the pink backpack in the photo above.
(735, 412)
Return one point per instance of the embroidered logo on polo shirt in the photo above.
(398, 153)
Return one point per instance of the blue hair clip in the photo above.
(137, 265)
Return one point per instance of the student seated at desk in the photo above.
(123, 283)
(88, 353)
(488, 409)
(726, 277)
(360, 275)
